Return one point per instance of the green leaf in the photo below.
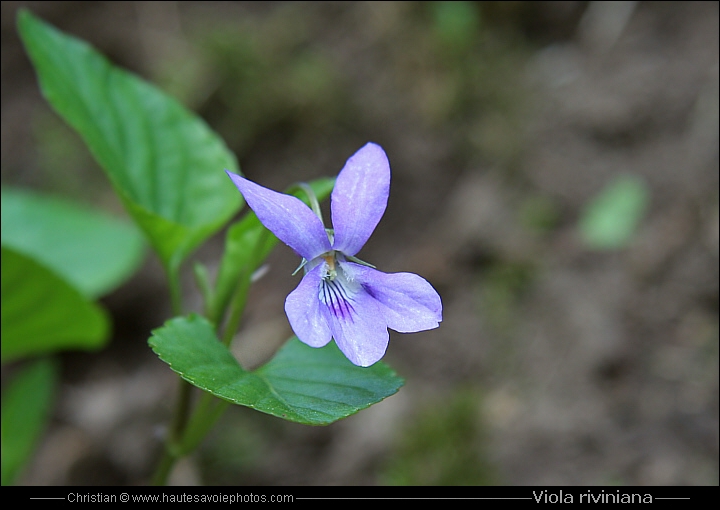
(455, 22)
(42, 313)
(94, 252)
(300, 384)
(164, 162)
(26, 406)
(248, 243)
(610, 220)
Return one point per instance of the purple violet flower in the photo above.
(339, 296)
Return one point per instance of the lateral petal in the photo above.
(287, 217)
(359, 198)
(407, 301)
(302, 307)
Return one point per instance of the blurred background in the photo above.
(555, 177)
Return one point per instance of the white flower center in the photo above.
(337, 291)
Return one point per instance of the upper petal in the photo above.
(287, 217)
(407, 301)
(302, 307)
(359, 198)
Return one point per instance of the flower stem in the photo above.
(237, 307)
(312, 198)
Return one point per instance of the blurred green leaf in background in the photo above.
(93, 251)
(610, 220)
(26, 405)
(42, 313)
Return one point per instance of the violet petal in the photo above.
(407, 301)
(359, 198)
(361, 335)
(287, 217)
(302, 307)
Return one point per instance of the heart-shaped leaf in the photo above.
(42, 313)
(301, 384)
(164, 162)
(91, 250)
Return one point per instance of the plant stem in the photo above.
(173, 443)
(237, 308)
(187, 429)
(205, 415)
(312, 198)
(175, 291)
(172, 451)
(162, 471)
